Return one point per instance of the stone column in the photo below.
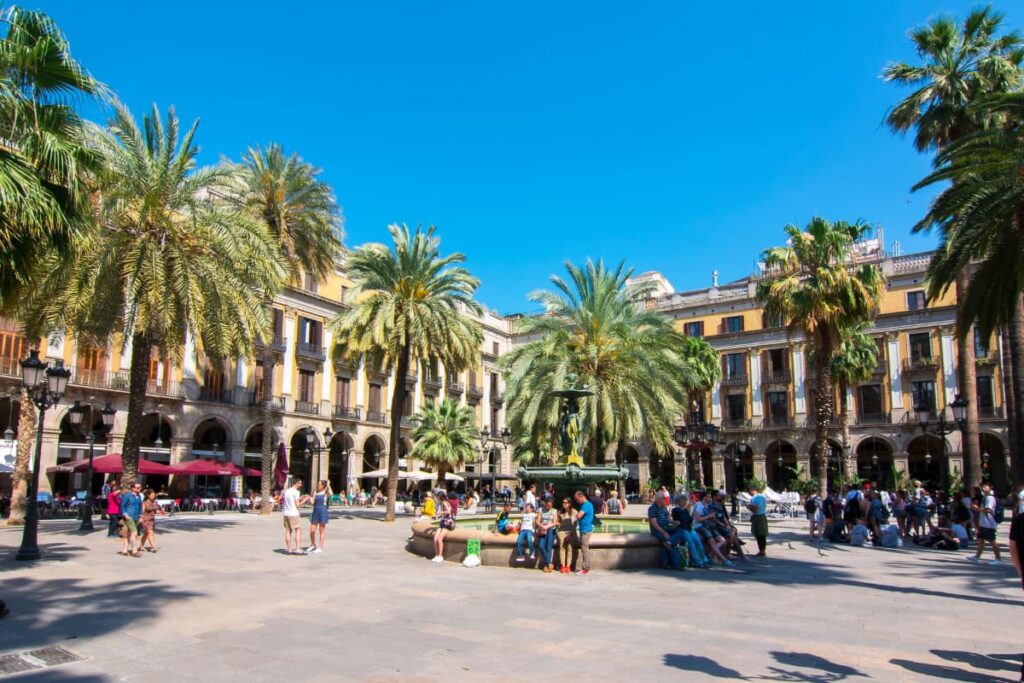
(901, 461)
(755, 382)
(644, 471)
(716, 401)
(678, 469)
(717, 471)
(760, 467)
(288, 370)
(799, 381)
(948, 366)
(895, 376)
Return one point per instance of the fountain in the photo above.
(570, 473)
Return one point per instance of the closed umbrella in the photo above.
(281, 467)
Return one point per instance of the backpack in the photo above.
(811, 506)
(999, 514)
(885, 512)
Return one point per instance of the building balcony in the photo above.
(307, 407)
(276, 344)
(991, 413)
(778, 377)
(432, 382)
(874, 419)
(488, 357)
(97, 379)
(313, 352)
(735, 424)
(474, 393)
(276, 403)
(880, 370)
(346, 413)
(455, 388)
(165, 389)
(737, 380)
(921, 365)
(497, 397)
(376, 417)
(411, 378)
(216, 396)
(990, 358)
(777, 422)
(408, 422)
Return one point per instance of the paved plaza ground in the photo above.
(222, 602)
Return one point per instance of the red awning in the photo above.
(110, 464)
(212, 468)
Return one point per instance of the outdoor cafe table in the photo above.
(165, 502)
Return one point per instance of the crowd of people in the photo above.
(131, 514)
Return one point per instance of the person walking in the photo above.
(319, 518)
(986, 525)
(758, 507)
(547, 526)
(584, 528)
(290, 502)
(131, 511)
(113, 510)
(568, 542)
(150, 509)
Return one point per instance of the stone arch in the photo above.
(374, 458)
(739, 465)
(924, 453)
(995, 468)
(779, 475)
(212, 437)
(158, 432)
(874, 458)
(339, 454)
(629, 456)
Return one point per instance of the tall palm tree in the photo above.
(596, 331)
(820, 292)
(170, 259)
(301, 214)
(408, 304)
(444, 437)
(853, 362)
(45, 160)
(960, 64)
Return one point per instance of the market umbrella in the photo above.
(110, 464)
(281, 467)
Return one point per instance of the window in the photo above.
(257, 396)
(407, 406)
(776, 361)
(986, 399)
(472, 380)
(923, 395)
(278, 322)
(310, 331)
(778, 407)
(213, 381)
(980, 345)
(309, 283)
(915, 301)
(90, 362)
(734, 324)
(920, 347)
(871, 399)
(736, 407)
(880, 353)
(307, 385)
(13, 348)
(494, 383)
(494, 422)
(342, 391)
(695, 328)
(373, 405)
(495, 349)
(697, 410)
(734, 365)
(771, 320)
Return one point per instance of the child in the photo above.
(502, 523)
(525, 532)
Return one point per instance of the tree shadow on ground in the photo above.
(937, 671)
(165, 526)
(51, 612)
(699, 664)
(50, 552)
(992, 662)
(829, 671)
(62, 675)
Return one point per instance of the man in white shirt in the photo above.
(986, 525)
(290, 502)
(531, 497)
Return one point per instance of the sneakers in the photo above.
(318, 550)
(974, 559)
(583, 572)
(729, 563)
(311, 549)
(547, 569)
(564, 570)
(437, 558)
(519, 559)
(995, 562)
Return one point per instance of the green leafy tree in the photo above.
(814, 286)
(853, 362)
(301, 214)
(170, 260)
(596, 331)
(444, 437)
(960, 64)
(408, 304)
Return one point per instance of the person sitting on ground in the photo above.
(960, 531)
(859, 534)
(503, 522)
(891, 537)
(852, 512)
(940, 537)
(526, 527)
(878, 515)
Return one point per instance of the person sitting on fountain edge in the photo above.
(502, 523)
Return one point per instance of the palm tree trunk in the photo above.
(267, 449)
(441, 471)
(849, 468)
(1010, 402)
(138, 378)
(19, 481)
(967, 381)
(397, 403)
(1017, 357)
(824, 402)
(597, 429)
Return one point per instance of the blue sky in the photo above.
(680, 137)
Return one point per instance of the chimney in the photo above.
(896, 248)
(714, 278)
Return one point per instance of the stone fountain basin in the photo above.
(631, 548)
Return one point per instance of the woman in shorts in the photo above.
(318, 519)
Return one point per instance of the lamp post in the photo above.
(695, 436)
(485, 435)
(312, 446)
(46, 385)
(76, 415)
(940, 428)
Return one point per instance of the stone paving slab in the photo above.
(220, 599)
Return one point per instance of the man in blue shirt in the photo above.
(584, 527)
(758, 507)
(658, 519)
(131, 510)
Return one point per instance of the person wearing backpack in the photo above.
(614, 504)
(812, 506)
(986, 525)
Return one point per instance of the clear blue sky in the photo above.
(680, 137)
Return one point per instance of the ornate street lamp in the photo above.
(940, 429)
(45, 385)
(76, 415)
(315, 447)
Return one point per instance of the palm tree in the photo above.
(408, 304)
(855, 359)
(596, 331)
(814, 286)
(302, 216)
(444, 436)
(45, 161)
(961, 65)
(170, 260)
